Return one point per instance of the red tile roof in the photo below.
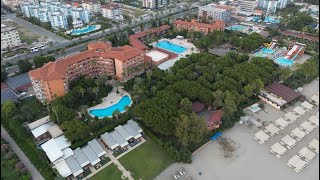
(300, 35)
(282, 91)
(216, 24)
(215, 118)
(110, 6)
(57, 69)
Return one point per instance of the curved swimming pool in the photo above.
(282, 61)
(83, 31)
(171, 47)
(107, 112)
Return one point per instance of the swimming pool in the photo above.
(107, 112)
(255, 19)
(259, 54)
(267, 50)
(83, 31)
(284, 61)
(237, 28)
(171, 47)
(270, 19)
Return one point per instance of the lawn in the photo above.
(134, 12)
(110, 172)
(146, 161)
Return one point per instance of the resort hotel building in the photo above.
(201, 27)
(247, 6)
(217, 12)
(100, 59)
(9, 37)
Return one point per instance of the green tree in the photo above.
(95, 90)
(309, 68)
(75, 130)
(186, 105)
(218, 97)
(190, 129)
(39, 61)
(8, 109)
(69, 20)
(284, 73)
(24, 66)
(116, 114)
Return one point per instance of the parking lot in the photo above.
(242, 157)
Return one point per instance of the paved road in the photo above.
(91, 37)
(35, 173)
(34, 28)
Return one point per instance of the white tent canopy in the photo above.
(272, 129)
(297, 163)
(278, 148)
(306, 153)
(291, 116)
(299, 110)
(307, 126)
(298, 133)
(261, 136)
(314, 144)
(314, 120)
(289, 141)
(307, 105)
(282, 123)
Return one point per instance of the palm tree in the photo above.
(83, 109)
(95, 90)
(103, 79)
(153, 90)
(82, 91)
(116, 84)
(149, 74)
(97, 82)
(56, 109)
(116, 114)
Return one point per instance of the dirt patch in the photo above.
(228, 147)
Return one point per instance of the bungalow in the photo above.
(39, 129)
(135, 126)
(81, 158)
(92, 156)
(136, 135)
(7, 94)
(109, 142)
(124, 133)
(19, 83)
(74, 166)
(214, 121)
(197, 107)
(97, 148)
(120, 140)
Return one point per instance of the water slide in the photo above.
(272, 45)
(294, 57)
(292, 52)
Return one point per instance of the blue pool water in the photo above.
(270, 19)
(255, 19)
(107, 112)
(237, 28)
(267, 51)
(284, 61)
(83, 31)
(171, 47)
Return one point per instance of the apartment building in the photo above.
(9, 37)
(150, 4)
(92, 6)
(201, 27)
(14, 4)
(55, 12)
(247, 5)
(112, 11)
(101, 59)
(271, 6)
(217, 12)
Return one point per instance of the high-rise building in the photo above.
(92, 6)
(101, 59)
(58, 20)
(271, 6)
(150, 4)
(247, 5)
(112, 11)
(9, 37)
(217, 12)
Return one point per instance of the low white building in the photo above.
(112, 11)
(77, 23)
(9, 37)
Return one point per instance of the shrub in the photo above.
(9, 155)
(5, 148)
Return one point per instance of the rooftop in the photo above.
(282, 91)
(55, 131)
(216, 24)
(18, 81)
(215, 118)
(8, 95)
(91, 155)
(96, 147)
(57, 69)
(39, 122)
(81, 157)
(197, 106)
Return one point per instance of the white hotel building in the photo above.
(217, 12)
(271, 6)
(150, 4)
(112, 11)
(9, 37)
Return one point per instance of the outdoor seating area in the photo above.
(288, 142)
(278, 149)
(314, 120)
(261, 136)
(179, 173)
(307, 127)
(297, 134)
(314, 144)
(296, 163)
(281, 123)
(271, 130)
